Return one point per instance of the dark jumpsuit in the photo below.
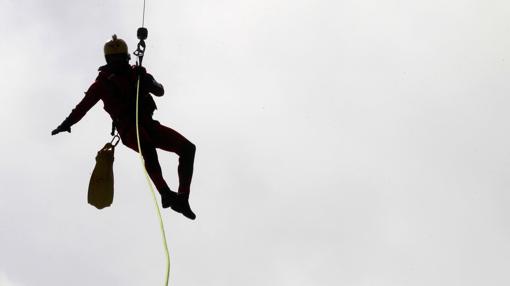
(117, 90)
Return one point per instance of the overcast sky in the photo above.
(354, 143)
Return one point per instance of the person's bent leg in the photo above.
(185, 168)
(170, 140)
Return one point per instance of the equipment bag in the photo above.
(100, 192)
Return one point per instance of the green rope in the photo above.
(142, 161)
(161, 226)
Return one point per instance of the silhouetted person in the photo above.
(116, 87)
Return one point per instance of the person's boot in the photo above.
(169, 198)
(182, 206)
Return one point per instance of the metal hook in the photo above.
(141, 34)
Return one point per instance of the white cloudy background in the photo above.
(355, 142)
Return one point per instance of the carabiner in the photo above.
(141, 34)
(116, 139)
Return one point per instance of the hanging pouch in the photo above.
(100, 193)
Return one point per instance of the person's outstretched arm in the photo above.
(92, 96)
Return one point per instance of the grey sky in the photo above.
(339, 143)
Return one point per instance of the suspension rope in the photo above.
(142, 35)
(158, 211)
(143, 14)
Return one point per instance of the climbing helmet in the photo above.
(115, 46)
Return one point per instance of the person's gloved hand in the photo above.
(61, 128)
(148, 80)
(140, 70)
(152, 85)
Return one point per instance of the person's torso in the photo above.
(119, 97)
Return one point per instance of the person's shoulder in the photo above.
(104, 74)
(101, 82)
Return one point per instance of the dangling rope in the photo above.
(142, 35)
(143, 14)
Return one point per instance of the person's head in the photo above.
(116, 51)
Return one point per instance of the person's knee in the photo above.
(189, 150)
